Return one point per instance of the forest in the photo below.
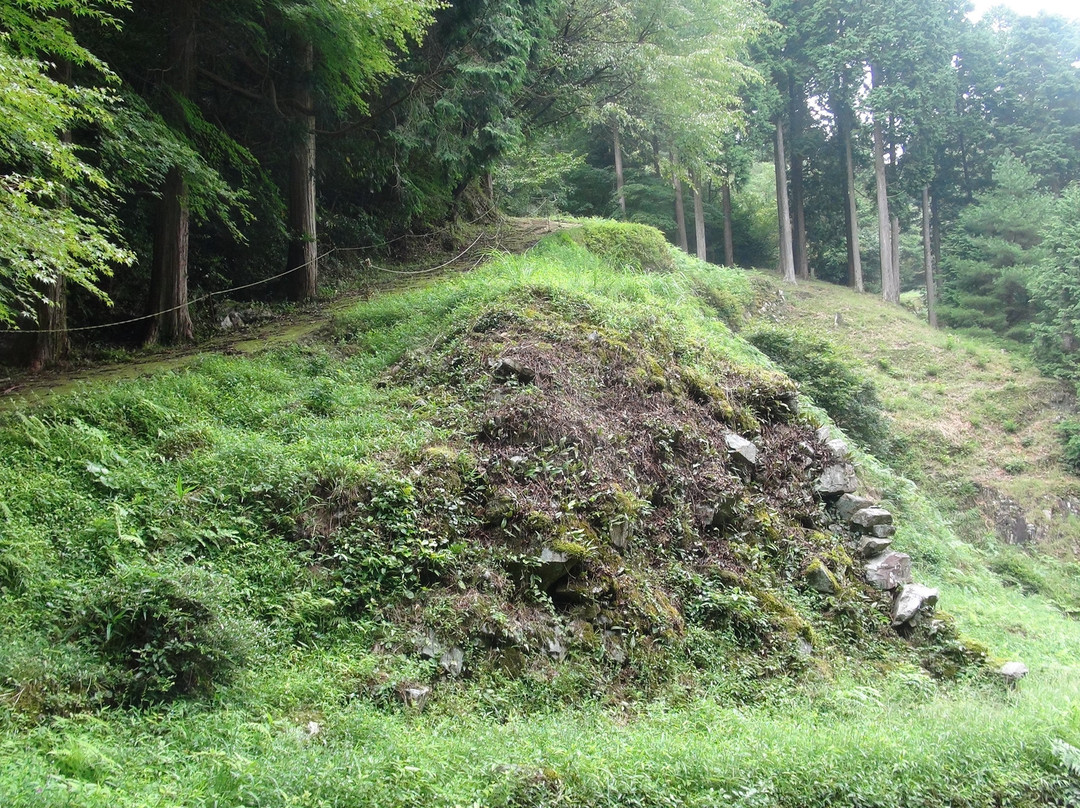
(501, 403)
(151, 157)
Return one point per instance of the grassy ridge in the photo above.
(187, 489)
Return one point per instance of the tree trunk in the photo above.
(935, 231)
(168, 297)
(303, 247)
(969, 192)
(619, 173)
(802, 261)
(890, 282)
(796, 106)
(699, 220)
(783, 211)
(50, 342)
(169, 272)
(680, 210)
(894, 241)
(46, 339)
(852, 216)
(928, 259)
(729, 241)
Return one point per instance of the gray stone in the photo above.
(820, 578)
(613, 648)
(741, 449)
(804, 647)
(1013, 672)
(453, 661)
(824, 434)
(848, 504)
(837, 479)
(913, 600)
(621, 531)
(416, 697)
(888, 570)
(1009, 517)
(573, 590)
(510, 660)
(866, 518)
(507, 369)
(232, 320)
(725, 511)
(883, 531)
(553, 566)
(555, 649)
(872, 547)
(838, 448)
(430, 647)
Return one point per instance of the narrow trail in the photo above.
(509, 235)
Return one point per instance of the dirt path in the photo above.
(510, 235)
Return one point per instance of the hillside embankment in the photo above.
(972, 419)
(547, 532)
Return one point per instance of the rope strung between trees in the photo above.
(221, 292)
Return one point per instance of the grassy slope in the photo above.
(157, 469)
(967, 409)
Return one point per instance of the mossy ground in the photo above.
(218, 582)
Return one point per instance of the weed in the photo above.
(278, 530)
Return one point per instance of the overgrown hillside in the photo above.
(970, 420)
(547, 533)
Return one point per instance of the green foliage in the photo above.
(160, 634)
(534, 179)
(357, 44)
(989, 266)
(1056, 290)
(51, 200)
(626, 247)
(827, 376)
(1069, 433)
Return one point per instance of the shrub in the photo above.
(1069, 433)
(625, 246)
(160, 635)
(828, 377)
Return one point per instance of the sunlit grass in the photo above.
(208, 467)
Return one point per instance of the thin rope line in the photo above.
(221, 292)
(207, 296)
(429, 270)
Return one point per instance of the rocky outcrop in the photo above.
(888, 570)
(848, 504)
(508, 369)
(741, 450)
(1013, 672)
(914, 601)
(869, 518)
(871, 530)
(821, 579)
(836, 480)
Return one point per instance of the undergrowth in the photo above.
(227, 585)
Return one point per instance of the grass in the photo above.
(213, 488)
(962, 408)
